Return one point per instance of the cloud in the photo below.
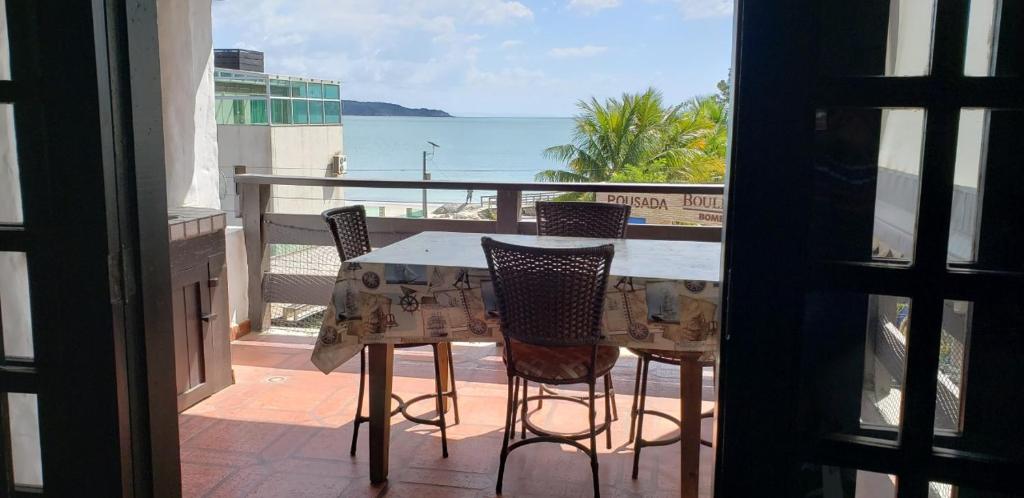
(584, 51)
(702, 9)
(500, 12)
(591, 6)
(509, 44)
(509, 77)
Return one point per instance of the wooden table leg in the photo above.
(690, 387)
(381, 367)
(446, 380)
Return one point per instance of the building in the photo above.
(281, 125)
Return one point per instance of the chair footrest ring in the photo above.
(403, 408)
(537, 431)
(643, 443)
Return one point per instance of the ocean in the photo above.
(484, 149)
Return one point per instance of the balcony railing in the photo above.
(263, 228)
(307, 291)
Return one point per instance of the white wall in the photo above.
(186, 78)
(279, 150)
(238, 281)
(305, 151)
(240, 145)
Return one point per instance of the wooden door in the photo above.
(191, 305)
(873, 332)
(201, 349)
(82, 123)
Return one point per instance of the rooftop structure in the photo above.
(244, 98)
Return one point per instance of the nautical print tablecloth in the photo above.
(396, 303)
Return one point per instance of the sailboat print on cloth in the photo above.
(455, 299)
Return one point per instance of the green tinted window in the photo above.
(300, 111)
(240, 87)
(280, 88)
(316, 91)
(331, 91)
(316, 112)
(258, 111)
(332, 112)
(298, 89)
(224, 111)
(281, 111)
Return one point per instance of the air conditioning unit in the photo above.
(339, 165)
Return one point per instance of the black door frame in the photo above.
(86, 92)
(769, 271)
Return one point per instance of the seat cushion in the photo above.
(559, 364)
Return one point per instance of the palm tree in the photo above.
(697, 142)
(639, 139)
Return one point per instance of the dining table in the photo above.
(435, 287)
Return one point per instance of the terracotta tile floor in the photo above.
(284, 429)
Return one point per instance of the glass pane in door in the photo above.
(15, 310)
(853, 363)
(10, 180)
(827, 481)
(877, 38)
(866, 181)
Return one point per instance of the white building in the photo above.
(280, 125)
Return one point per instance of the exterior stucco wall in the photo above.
(240, 145)
(279, 150)
(186, 78)
(304, 151)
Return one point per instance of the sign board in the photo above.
(670, 209)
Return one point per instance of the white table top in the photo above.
(653, 259)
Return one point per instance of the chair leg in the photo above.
(608, 404)
(636, 397)
(638, 442)
(593, 440)
(515, 411)
(440, 402)
(525, 394)
(611, 389)
(451, 375)
(510, 410)
(359, 403)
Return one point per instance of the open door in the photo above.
(87, 406)
(873, 337)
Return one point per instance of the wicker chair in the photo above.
(636, 424)
(582, 219)
(348, 226)
(550, 304)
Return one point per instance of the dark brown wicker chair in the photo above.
(348, 226)
(550, 303)
(636, 423)
(582, 219)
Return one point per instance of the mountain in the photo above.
(356, 108)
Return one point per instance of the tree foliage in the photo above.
(639, 139)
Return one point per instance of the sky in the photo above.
(488, 57)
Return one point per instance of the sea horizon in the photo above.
(472, 148)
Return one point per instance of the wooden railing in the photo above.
(263, 228)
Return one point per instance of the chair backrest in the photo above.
(582, 219)
(348, 226)
(549, 297)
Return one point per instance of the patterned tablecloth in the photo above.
(394, 302)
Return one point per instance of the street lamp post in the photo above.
(426, 175)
